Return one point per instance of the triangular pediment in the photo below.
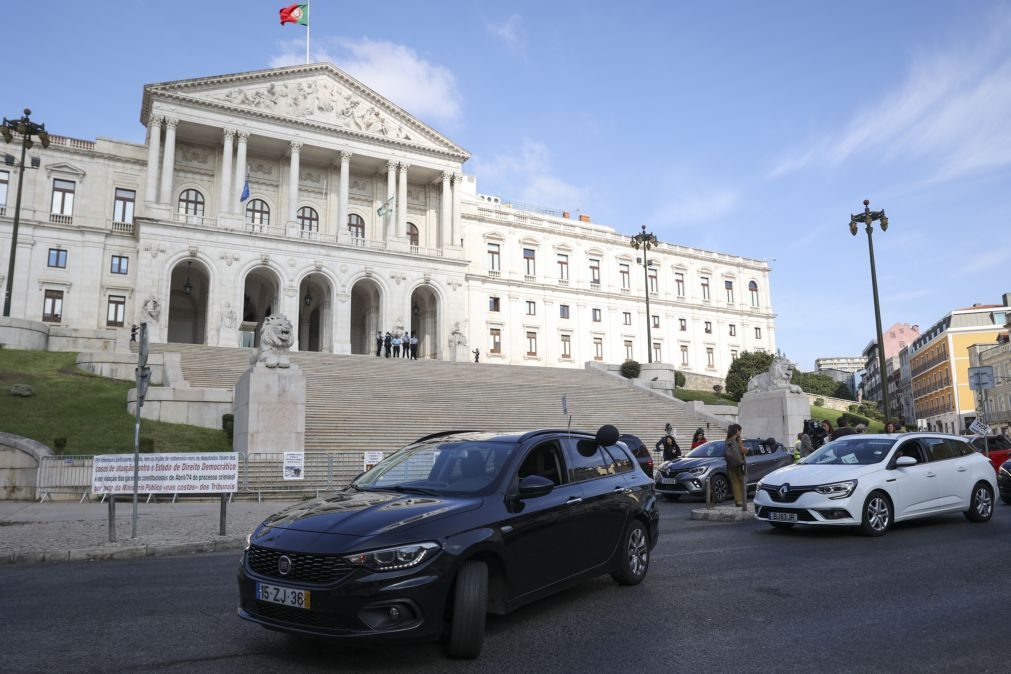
(317, 94)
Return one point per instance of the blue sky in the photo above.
(753, 128)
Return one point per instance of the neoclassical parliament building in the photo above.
(358, 218)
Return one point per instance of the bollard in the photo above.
(224, 507)
(709, 494)
(112, 518)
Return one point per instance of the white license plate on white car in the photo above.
(783, 517)
(286, 596)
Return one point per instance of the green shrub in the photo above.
(744, 367)
(228, 424)
(854, 419)
(630, 369)
(146, 445)
(819, 402)
(59, 445)
(853, 408)
(679, 379)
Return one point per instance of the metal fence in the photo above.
(260, 474)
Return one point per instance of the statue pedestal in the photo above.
(778, 414)
(269, 409)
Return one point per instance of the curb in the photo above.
(723, 515)
(101, 553)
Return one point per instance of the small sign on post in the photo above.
(294, 465)
(979, 428)
(370, 459)
(981, 378)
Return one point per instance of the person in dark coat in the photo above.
(379, 343)
(736, 458)
(387, 344)
(843, 430)
(669, 446)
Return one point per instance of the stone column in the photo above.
(445, 225)
(454, 239)
(153, 148)
(240, 172)
(168, 166)
(402, 200)
(391, 193)
(224, 205)
(342, 196)
(296, 150)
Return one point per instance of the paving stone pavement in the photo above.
(69, 531)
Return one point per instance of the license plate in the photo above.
(286, 596)
(668, 480)
(783, 517)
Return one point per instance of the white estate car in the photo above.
(871, 481)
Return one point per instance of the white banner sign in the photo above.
(371, 459)
(166, 474)
(294, 465)
(979, 428)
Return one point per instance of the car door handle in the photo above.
(574, 500)
(931, 475)
(961, 469)
(622, 490)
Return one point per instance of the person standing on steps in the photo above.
(379, 343)
(396, 346)
(736, 464)
(414, 346)
(699, 438)
(387, 344)
(669, 446)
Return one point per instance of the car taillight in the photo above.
(649, 463)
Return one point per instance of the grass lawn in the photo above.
(823, 413)
(89, 411)
(708, 397)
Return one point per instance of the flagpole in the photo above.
(308, 10)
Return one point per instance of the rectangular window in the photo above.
(566, 346)
(627, 317)
(598, 348)
(679, 281)
(595, 314)
(58, 258)
(530, 261)
(120, 264)
(733, 330)
(496, 340)
(116, 313)
(758, 333)
(63, 197)
(531, 343)
(563, 310)
(684, 354)
(653, 287)
(494, 304)
(683, 324)
(709, 327)
(656, 352)
(52, 306)
(626, 279)
(733, 354)
(753, 291)
(594, 271)
(531, 308)
(656, 321)
(122, 207)
(628, 349)
(5, 179)
(563, 267)
(494, 256)
(729, 285)
(705, 288)
(710, 357)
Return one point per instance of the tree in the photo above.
(746, 366)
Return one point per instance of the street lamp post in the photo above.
(646, 240)
(868, 217)
(26, 128)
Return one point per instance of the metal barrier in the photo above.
(259, 474)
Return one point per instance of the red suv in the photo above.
(1000, 448)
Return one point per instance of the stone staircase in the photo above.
(368, 403)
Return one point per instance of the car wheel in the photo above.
(470, 609)
(782, 525)
(719, 488)
(633, 555)
(980, 503)
(877, 515)
(672, 497)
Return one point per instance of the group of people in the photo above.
(668, 444)
(805, 444)
(399, 346)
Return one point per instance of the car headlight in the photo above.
(392, 559)
(249, 540)
(1005, 472)
(698, 470)
(837, 490)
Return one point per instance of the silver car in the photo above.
(689, 476)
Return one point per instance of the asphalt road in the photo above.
(932, 595)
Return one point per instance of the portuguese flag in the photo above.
(297, 13)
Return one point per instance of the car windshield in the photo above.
(439, 467)
(851, 450)
(708, 450)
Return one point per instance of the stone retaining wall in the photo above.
(19, 465)
(194, 406)
(121, 365)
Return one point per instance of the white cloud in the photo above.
(396, 71)
(951, 113)
(507, 31)
(525, 174)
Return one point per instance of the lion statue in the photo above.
(275, 340)
(777, 378)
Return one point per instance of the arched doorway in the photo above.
(366, 312)
(260, 298)
(425, 321)
(313, 313)
(187, 311)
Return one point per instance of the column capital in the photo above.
(228, 134)
(403, 166)
(457, 177)
(171, 122)
(296, 147)
(345, 156)
(391, 166)
(243, 136)
(446, 175)
(155, 120)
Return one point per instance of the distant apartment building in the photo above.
(908, 410)
(995, 407)
(939, 365)
(842, 369)
(895, 339)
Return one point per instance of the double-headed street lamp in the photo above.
(26, 128)
(868, 217)
(645, 241)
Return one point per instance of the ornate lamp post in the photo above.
(26, 128)
(868, 217)
(646, 240)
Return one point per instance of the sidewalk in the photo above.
(70, 531)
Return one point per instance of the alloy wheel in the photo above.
(719, 490)
(638, 552)
(878, 513)
(984, 503)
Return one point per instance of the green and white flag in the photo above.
(386, 208)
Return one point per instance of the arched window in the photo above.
(258, 212)
(308, 219)
(356, 225)
(412, 233)
(191, 202)
(753, 291)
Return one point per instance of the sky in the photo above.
(752, 128)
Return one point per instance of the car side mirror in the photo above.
(533, 486)
(904, 461)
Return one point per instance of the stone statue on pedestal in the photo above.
(777, 378)
(275, 342)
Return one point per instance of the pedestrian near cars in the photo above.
(826, 427)
(889, 428)
(736, 460)
(699, 438)
(806, 446)
(669, 446)
(843, 429)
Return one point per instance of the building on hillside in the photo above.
(995, 409)
(841, 369)
(939, 366)
(359, 219)
(894, 338)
